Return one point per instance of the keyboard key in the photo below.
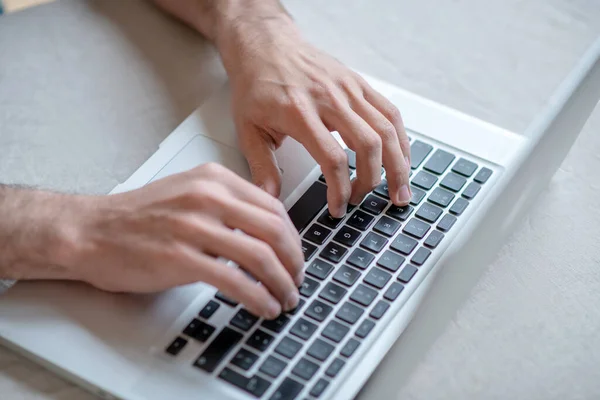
(335, 367)
(199, 330)
(403, 244)
(298, 307)
(380, 308)
(243, 320)
(349, 313)
(230, 302)
(288, 348)
(363, 295)
(335, 331)
(346, 275)
(360, 220)
(453, 182)
(244, 359)
(382, 189)
(333, 252)
(393, 291)
(416, 228)
(365, 328)
(471, 190)
(464, 167)
(351, 158)
(209, 309)
(272, 367)
(255, 385)
(424, 180)
(319, 388)
(386, 226)
(308, 287)
(390, 261)
(333, 293)
(407, 273)
(260, 340)
(360, 258)
(417, 196)
(434, 238)
(429, 212)
(319, 269)
(439, 162)
(400, 213)
(318, 310)
(308, 205)
(350, 347)
(276, 325)
(305, 369)
(218, 349)
(320, 350)
(377, 277)
(327, 220)
(308, 249)
(446, 223)
(317, 234)
(176, 346)
(288, 390)
(303, 329)
(459, 206)
(374, 204)
(441, 197)
(418, 153)
(347, 236)
(483, 175)
(374, 242)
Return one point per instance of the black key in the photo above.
(317, 234)
(333, 293)
(320, 350)
(350, 347)
(390, 261)
(327, 220)
(374, 242)
(322, 179)
(347, 236)
(393, 291)
(417, 195)
(453, 182)
(374, 204)
(387, 226)
(365, 328)
(298, 307)
(377, 277)
(333, 252)
(305, 369)
(255, 385)
(380, 308)
(307, 206)
(218, 349)
(308, 250)
(276, 325)
(209, 309)
(434, 238)
(363, 295)
(199, 330)
(230, 302)
(351, 158)
(471, 190)
(318, 310)
(446, 223)
(439, 162)
(308, 287)
(483, 175)
(424, 180)
(464, 167)
(335, 367)
(272, 367)
(441, 197)
(243, 320)
(407, 273)
(244, 359)
(429, 212)
(459, 206)
(349, 208)
(416, 228)
(288, 348)
(260, 340)
(346, 275)
(319, 388)
(319, 269)
(360, 220)
(403, 244)
(360, 258)
(176, 346)
(400, 213)
(303, 329)
(335, 331)
(349, 313)
(382, 189)
(418, 153)
(288, 390)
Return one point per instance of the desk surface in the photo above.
(89, 89)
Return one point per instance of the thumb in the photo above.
(259, 149)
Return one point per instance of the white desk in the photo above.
(89, 89)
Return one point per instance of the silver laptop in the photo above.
(366, 274)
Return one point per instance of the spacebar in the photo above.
(307, 206)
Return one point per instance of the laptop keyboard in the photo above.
(356, 267)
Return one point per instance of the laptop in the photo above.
(366, 274)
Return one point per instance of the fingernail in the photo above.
(292, 301)
(407, 161)
(273, 309)
(405, 194)
(299, 278)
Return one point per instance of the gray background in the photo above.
(89, 89)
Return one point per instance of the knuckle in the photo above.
(392, 113)
(386, 131)
(214, 169)
(263, 256)
(371, 143)
(337, 159)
